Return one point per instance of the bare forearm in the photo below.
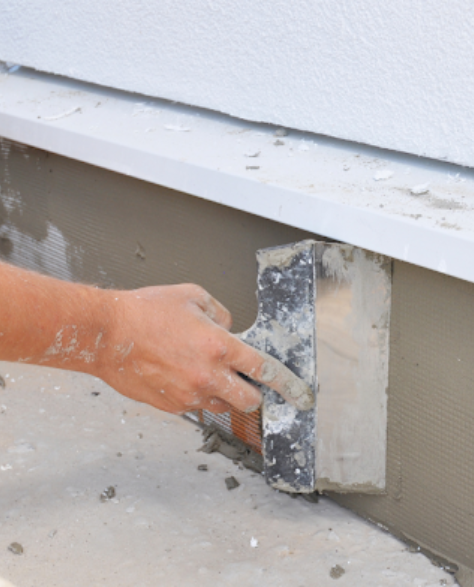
(50, 322)
(168, 346)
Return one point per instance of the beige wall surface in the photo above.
(80, 222)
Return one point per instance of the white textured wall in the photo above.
(394, 74)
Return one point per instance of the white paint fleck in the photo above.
(304, 146)
(177, 127)
(383, 174)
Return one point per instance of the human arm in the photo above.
(168, 346)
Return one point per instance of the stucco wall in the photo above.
(396, 75)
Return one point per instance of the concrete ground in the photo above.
(66, 438)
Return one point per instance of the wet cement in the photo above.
(217, 440)
(80, 222)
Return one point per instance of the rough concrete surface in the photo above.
(66, 439)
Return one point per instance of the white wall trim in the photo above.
(356, 194)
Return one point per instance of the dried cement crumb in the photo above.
(108, 493)
(16, 548)
(336, 572)
(418, 190)
(231, 483)
(383, 174)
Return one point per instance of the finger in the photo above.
(215, 310)
(239, 393)
(267, 370)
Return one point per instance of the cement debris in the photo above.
(216, 440)
(108, 493)
(231, 483)
(16, 548)
(336, 572)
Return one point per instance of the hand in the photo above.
(169, 346)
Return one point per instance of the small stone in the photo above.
(95, 393)
(2, 382)
(231, 483)
(140, 435)
(281, 132)
(253, 542)
(119, 454)
(108, 493)
(202, 468)
(16, 548)
(336, 572)
(279, 143)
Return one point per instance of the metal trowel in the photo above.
(285, 328)
(323, 311)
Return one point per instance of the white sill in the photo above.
(311, 182)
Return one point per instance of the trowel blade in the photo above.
(285, 328)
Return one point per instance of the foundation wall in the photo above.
(84, 223)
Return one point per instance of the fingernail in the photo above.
(305, 402)
(300, 393)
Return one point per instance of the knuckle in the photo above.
(191, 290)
(215, 348)
(218, 350)
(203, 380)
(227, 318)
(198, 291)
